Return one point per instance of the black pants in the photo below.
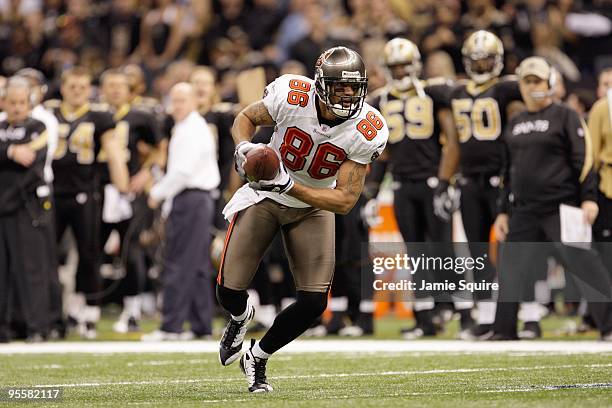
(24, 270)
(602, 230)
(478, 213)
(518, 271)
(351, 277)
(186, 288)
(131, 252)
(82, 213)
(413, 207)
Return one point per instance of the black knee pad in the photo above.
(312, 303)
(234, 301)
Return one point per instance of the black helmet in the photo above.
(341, 65)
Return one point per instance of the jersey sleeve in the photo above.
(366, 151)
(440, 95)
(509, 90)
(103, 122)
(272, 96)
(150, 131)
(581, 155)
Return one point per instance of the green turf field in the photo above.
(364, 379)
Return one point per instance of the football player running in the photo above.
(325, 135)
(422, 164)
(481, 107)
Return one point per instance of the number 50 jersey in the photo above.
(311, 151)
(480, 117)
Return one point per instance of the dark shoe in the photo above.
(35, 338)
(233, 336)
(502, 337)
(254, 369)
(531, 331)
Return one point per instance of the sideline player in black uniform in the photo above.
(481, 107)
(83, 132)
(549, 163)
(134, 125)
(23, 214)
(422, 163)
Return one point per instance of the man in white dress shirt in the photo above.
(192, 175)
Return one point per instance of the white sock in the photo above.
(486, 312)
(266, 314)
(244, 314)
(132, 306)
(530, 312)
(423, 304)
(258, 352)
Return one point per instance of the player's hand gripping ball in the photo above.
(261, 163)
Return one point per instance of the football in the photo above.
(261, 163)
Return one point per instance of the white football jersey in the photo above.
(313, 152)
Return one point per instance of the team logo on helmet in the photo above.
(337, 70)
(483, 56)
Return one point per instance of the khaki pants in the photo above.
(308, 236)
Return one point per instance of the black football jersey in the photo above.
(74, 162)
(132, 125)
(549, 161)
(480, 116)
(414, 145)
(16, 180)
(220, 120)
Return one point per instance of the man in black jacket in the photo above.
(549, 164)
(23, 214)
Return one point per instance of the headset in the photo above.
(19, 81)
(552, 81)
(34, 75)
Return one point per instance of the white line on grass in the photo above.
(314, 346)
(328, 375)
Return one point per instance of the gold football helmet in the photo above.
(483, 56)
(403, 65)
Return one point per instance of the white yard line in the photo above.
(316, 346)
(330, 375)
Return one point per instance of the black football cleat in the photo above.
(233, 336)
(531, 331)
(254, 368)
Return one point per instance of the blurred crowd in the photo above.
(154, 45)
(165, 37)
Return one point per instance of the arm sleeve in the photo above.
(503, 200)
(375, 178)
(581, 156)
(4, 153)
(595, 126)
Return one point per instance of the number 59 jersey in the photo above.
(312, 152)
